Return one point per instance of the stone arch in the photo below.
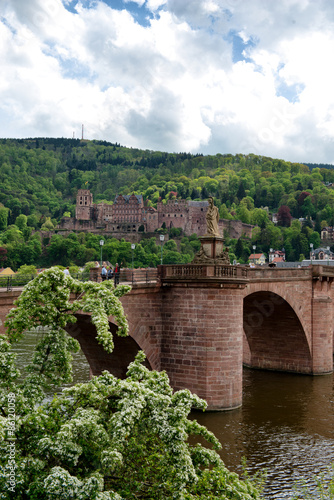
(274, 335)
(98, 359)
(297, 294)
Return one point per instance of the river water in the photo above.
(285, 425)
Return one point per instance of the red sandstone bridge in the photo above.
(201, 323)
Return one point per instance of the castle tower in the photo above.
(84, 205)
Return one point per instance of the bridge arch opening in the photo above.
(274, 338)
(98, 359)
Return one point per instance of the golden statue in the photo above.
(212, 218)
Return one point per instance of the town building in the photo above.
(327, 233)
(257, 258)
(322, 253)
(276, 256)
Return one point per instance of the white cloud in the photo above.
(154, 5)
(175, 83)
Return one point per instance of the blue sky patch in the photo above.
(290, 92)
(73, 69)
(141, 14)
(239, 45)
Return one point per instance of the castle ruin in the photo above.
(128, 214)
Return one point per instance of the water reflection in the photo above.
(286, 423)
(24, 350)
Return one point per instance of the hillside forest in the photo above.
(40, 177)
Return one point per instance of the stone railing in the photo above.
(279, 274)
(131, 276)
(202, 271)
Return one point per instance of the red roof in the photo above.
(256, 255)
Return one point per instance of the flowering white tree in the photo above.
(107, 439)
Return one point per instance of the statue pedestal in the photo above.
(212, 246)
(212, 251)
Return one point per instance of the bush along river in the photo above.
(285, 425)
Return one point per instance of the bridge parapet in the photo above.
(317, 272)
(203, 272)
(279, 274)
(322, 272)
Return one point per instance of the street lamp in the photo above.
(162, 239)
(311, 246)
(101, 245)
(133, 246)
(254, 248)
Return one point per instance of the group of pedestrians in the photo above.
(109, 273)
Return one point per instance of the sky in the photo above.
(198, 76)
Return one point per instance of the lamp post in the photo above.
(162, 239)
(133, 246)
(311, 246)
(254, 248)
(101, 245)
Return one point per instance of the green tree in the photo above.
(315, 239)
(25, 269)
(3, 218)
(259, 217)
(12, 235)
(47, 225)
(239, 248)
(317, 225)
(108, 439)
(21, 222)
(32, 221)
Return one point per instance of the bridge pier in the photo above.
(202, 333)
(322, 326)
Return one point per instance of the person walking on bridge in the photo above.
(104, 272)
(110, 273)
(116, 274)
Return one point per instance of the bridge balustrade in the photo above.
(198, 271)
(133, 276)
(14, 281)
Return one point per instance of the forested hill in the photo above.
(319, 165)
(40, 178)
